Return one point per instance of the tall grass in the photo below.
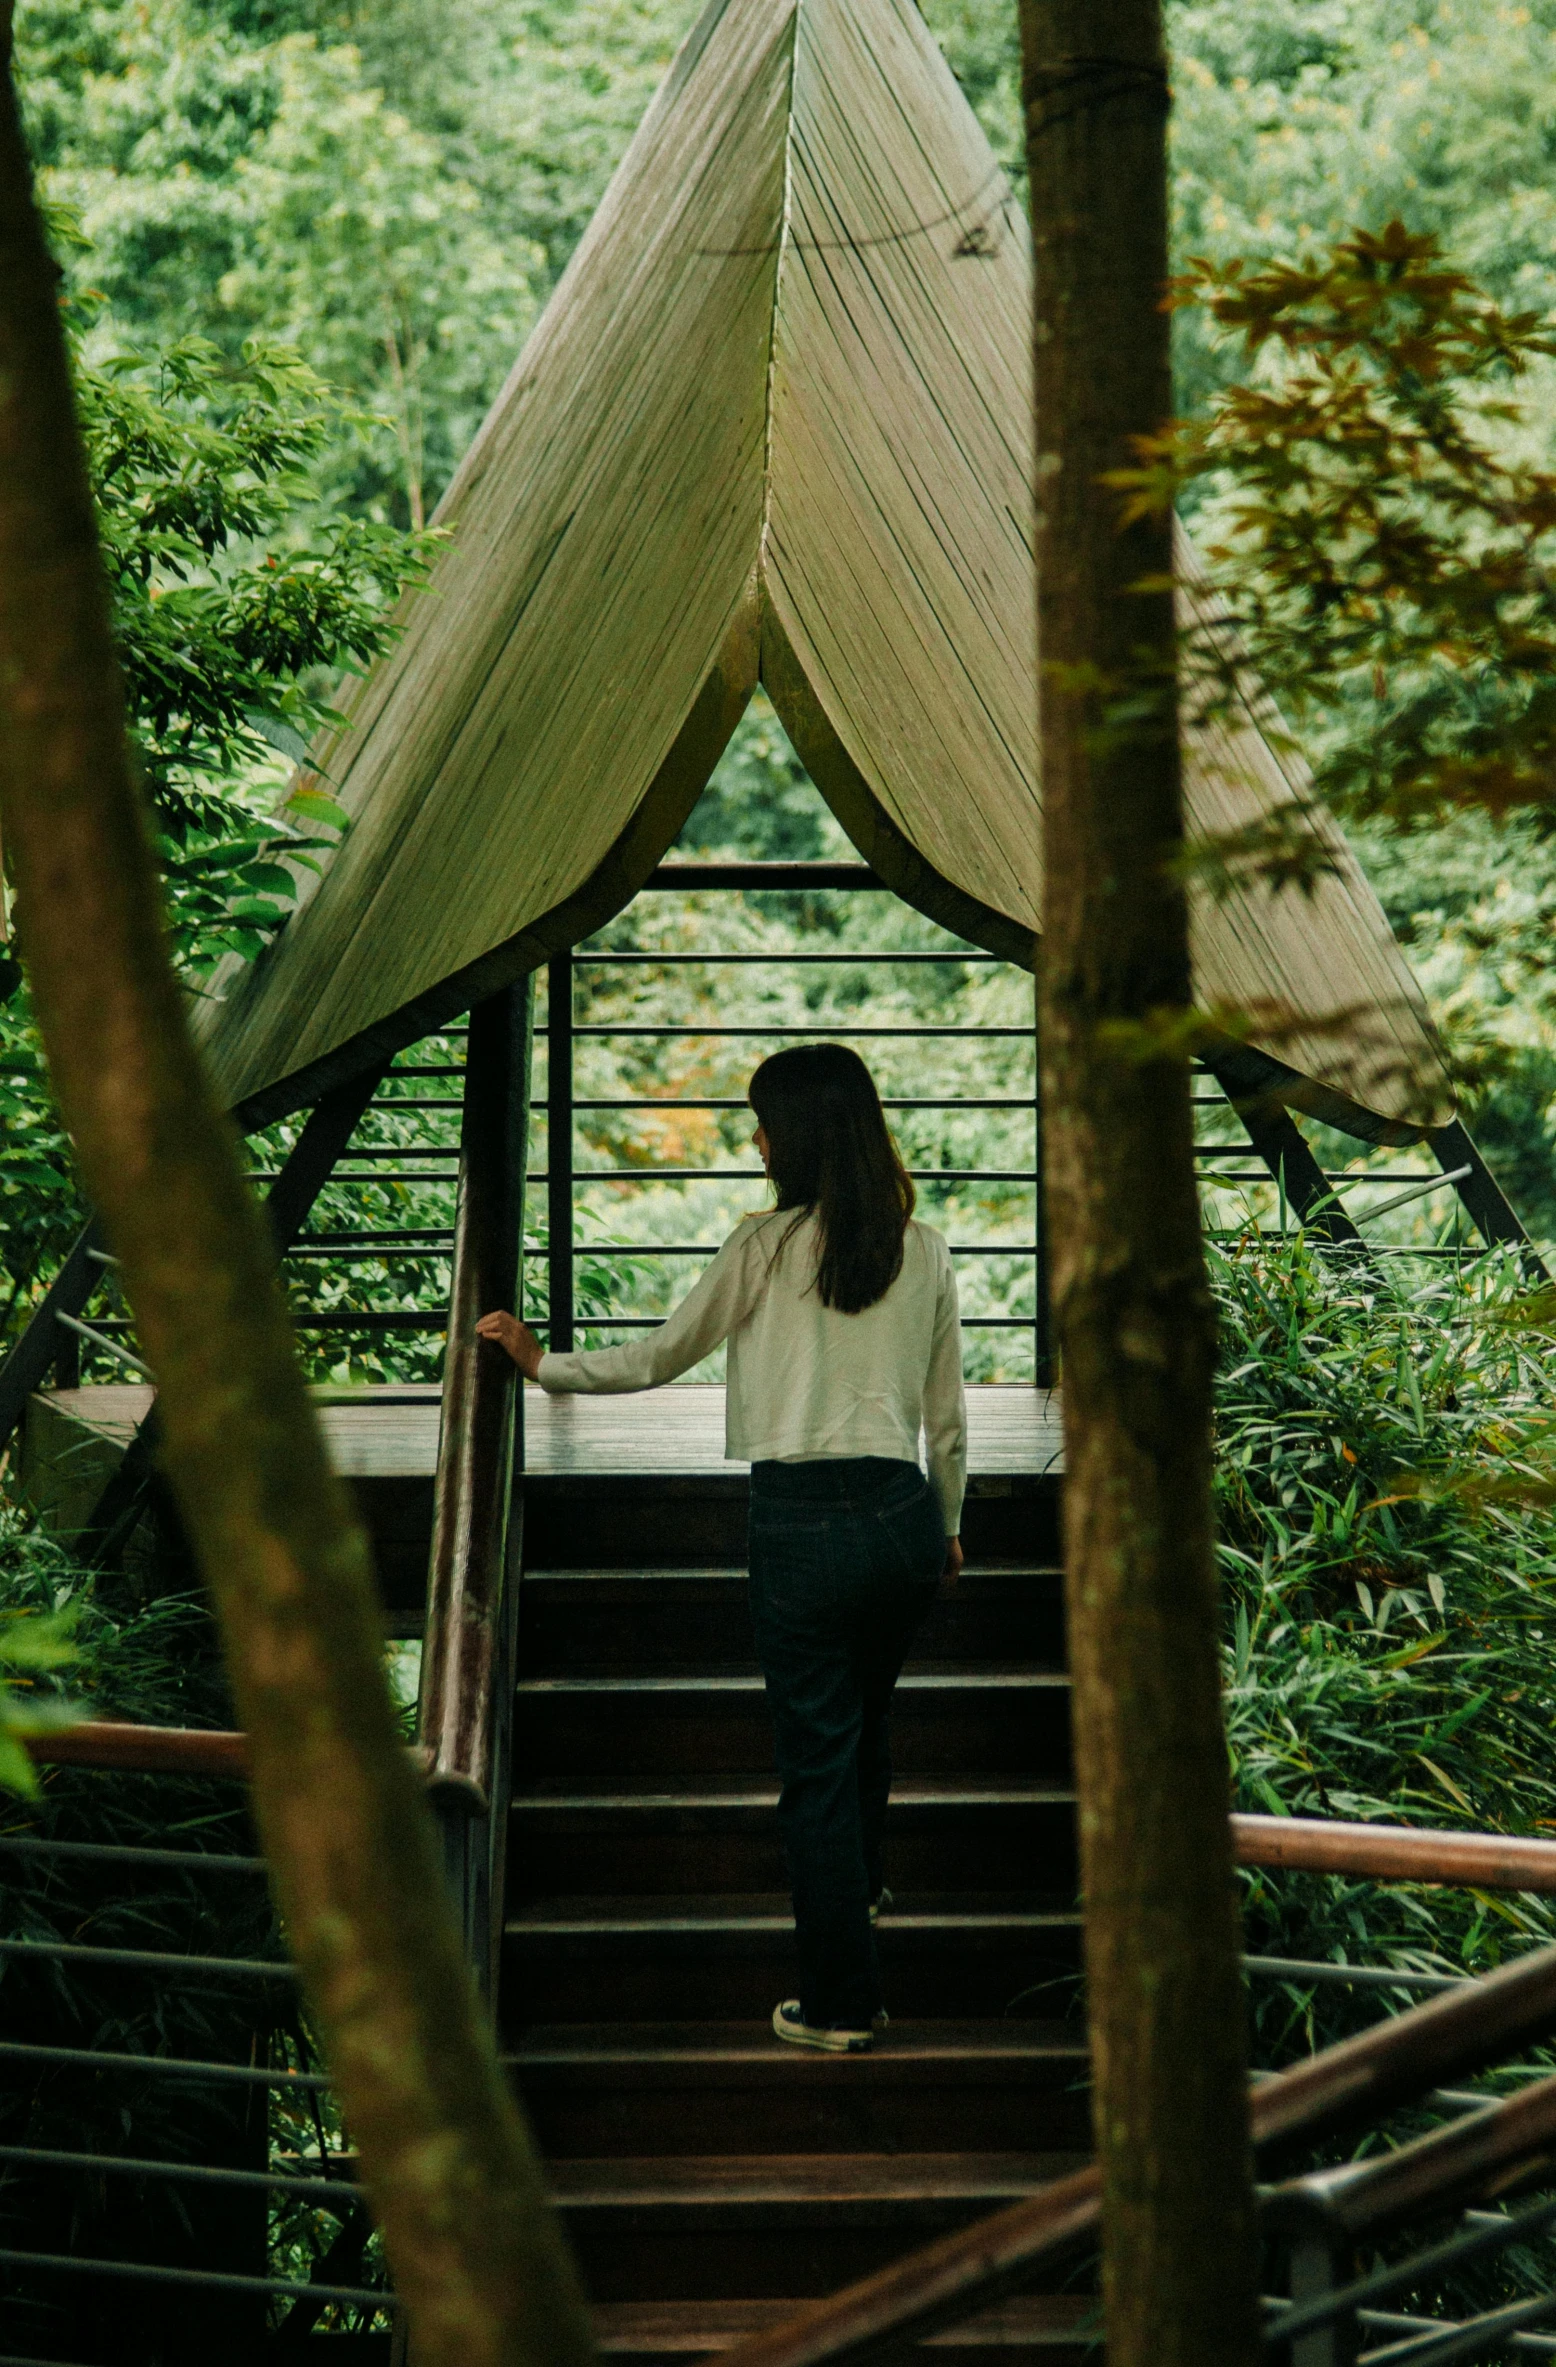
(1389, 1630)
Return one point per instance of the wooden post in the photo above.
(1132, 1309)
(559, 1151)
(466, 1671)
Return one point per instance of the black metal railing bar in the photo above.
(586, 1322)
(341, 1319)
(399, 1236)
(1353, 1976)
(1492, 2234)
(712, 1248)
(807, 1034)
(211, 2280)
(248, 2075)
(594, 961)
(129, 1854)
(153, 1959)
(125, 2165)
(888, 1102)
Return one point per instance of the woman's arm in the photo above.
(945, 1405)
(722, 1297)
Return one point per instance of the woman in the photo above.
(844, 1343)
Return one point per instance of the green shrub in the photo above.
(1388, 1653)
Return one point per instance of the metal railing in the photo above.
(565, 1178)
(135, 2174)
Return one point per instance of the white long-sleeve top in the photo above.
(804, 1382)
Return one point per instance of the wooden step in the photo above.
(688, 1834)
(642, 1620)
(1047, 2328)
(681, 1519)
(734, 2225)
(705, 2087)
(731, 1958)
(1008, 1720)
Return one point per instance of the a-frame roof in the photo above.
(775, 424)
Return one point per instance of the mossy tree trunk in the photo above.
(1132, 1311)
(476, 2253)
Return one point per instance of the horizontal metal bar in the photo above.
(86, 2058)
(888, 1102)
(184, 2173)
(90, 1852)
(712, 1248)
(653, 1322)
(368, 1257)
(1352, 1976)
(143, 2272)
(1281, 2327)
(1021, 1175)
(774, 961)
(690, 874)
(1418, 1191)
(439, 1183)
(392, 1236)
(370, 1319)
(152, 1959)
(98, 1338)
(412, 1101)
(424, 1072)
(398, 1150)
(800, 1035)
(348, 1176)
(19, 2359)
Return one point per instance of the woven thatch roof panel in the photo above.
(778, 411)
(605, 528)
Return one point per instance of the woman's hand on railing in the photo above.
(953, 1561)
(516, 1338)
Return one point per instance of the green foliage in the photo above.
(1383, 546)
(235, 609)
(229, 623)
(1388, 1646)
(1297, 120)
(358, 243)
(1474, 904)
(31, 1645)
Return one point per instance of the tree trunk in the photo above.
(475, 2251)
(1133, 1316)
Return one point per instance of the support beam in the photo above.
(1280, 1143)
(559, 1154)
(307, 1169)
(29, 1363)
(1485, 1203)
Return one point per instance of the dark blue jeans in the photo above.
(844, 1561)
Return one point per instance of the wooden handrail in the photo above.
(1359, 2080)
(1478, 2157)
(1403, 1853)
(149, 1750)
(460, 1672)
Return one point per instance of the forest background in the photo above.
(393, 191)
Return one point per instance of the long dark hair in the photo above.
(831, 1155)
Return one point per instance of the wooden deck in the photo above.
(392, 1432)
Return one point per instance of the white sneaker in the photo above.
(790, 2025)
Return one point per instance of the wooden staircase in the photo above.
(711, 2180)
